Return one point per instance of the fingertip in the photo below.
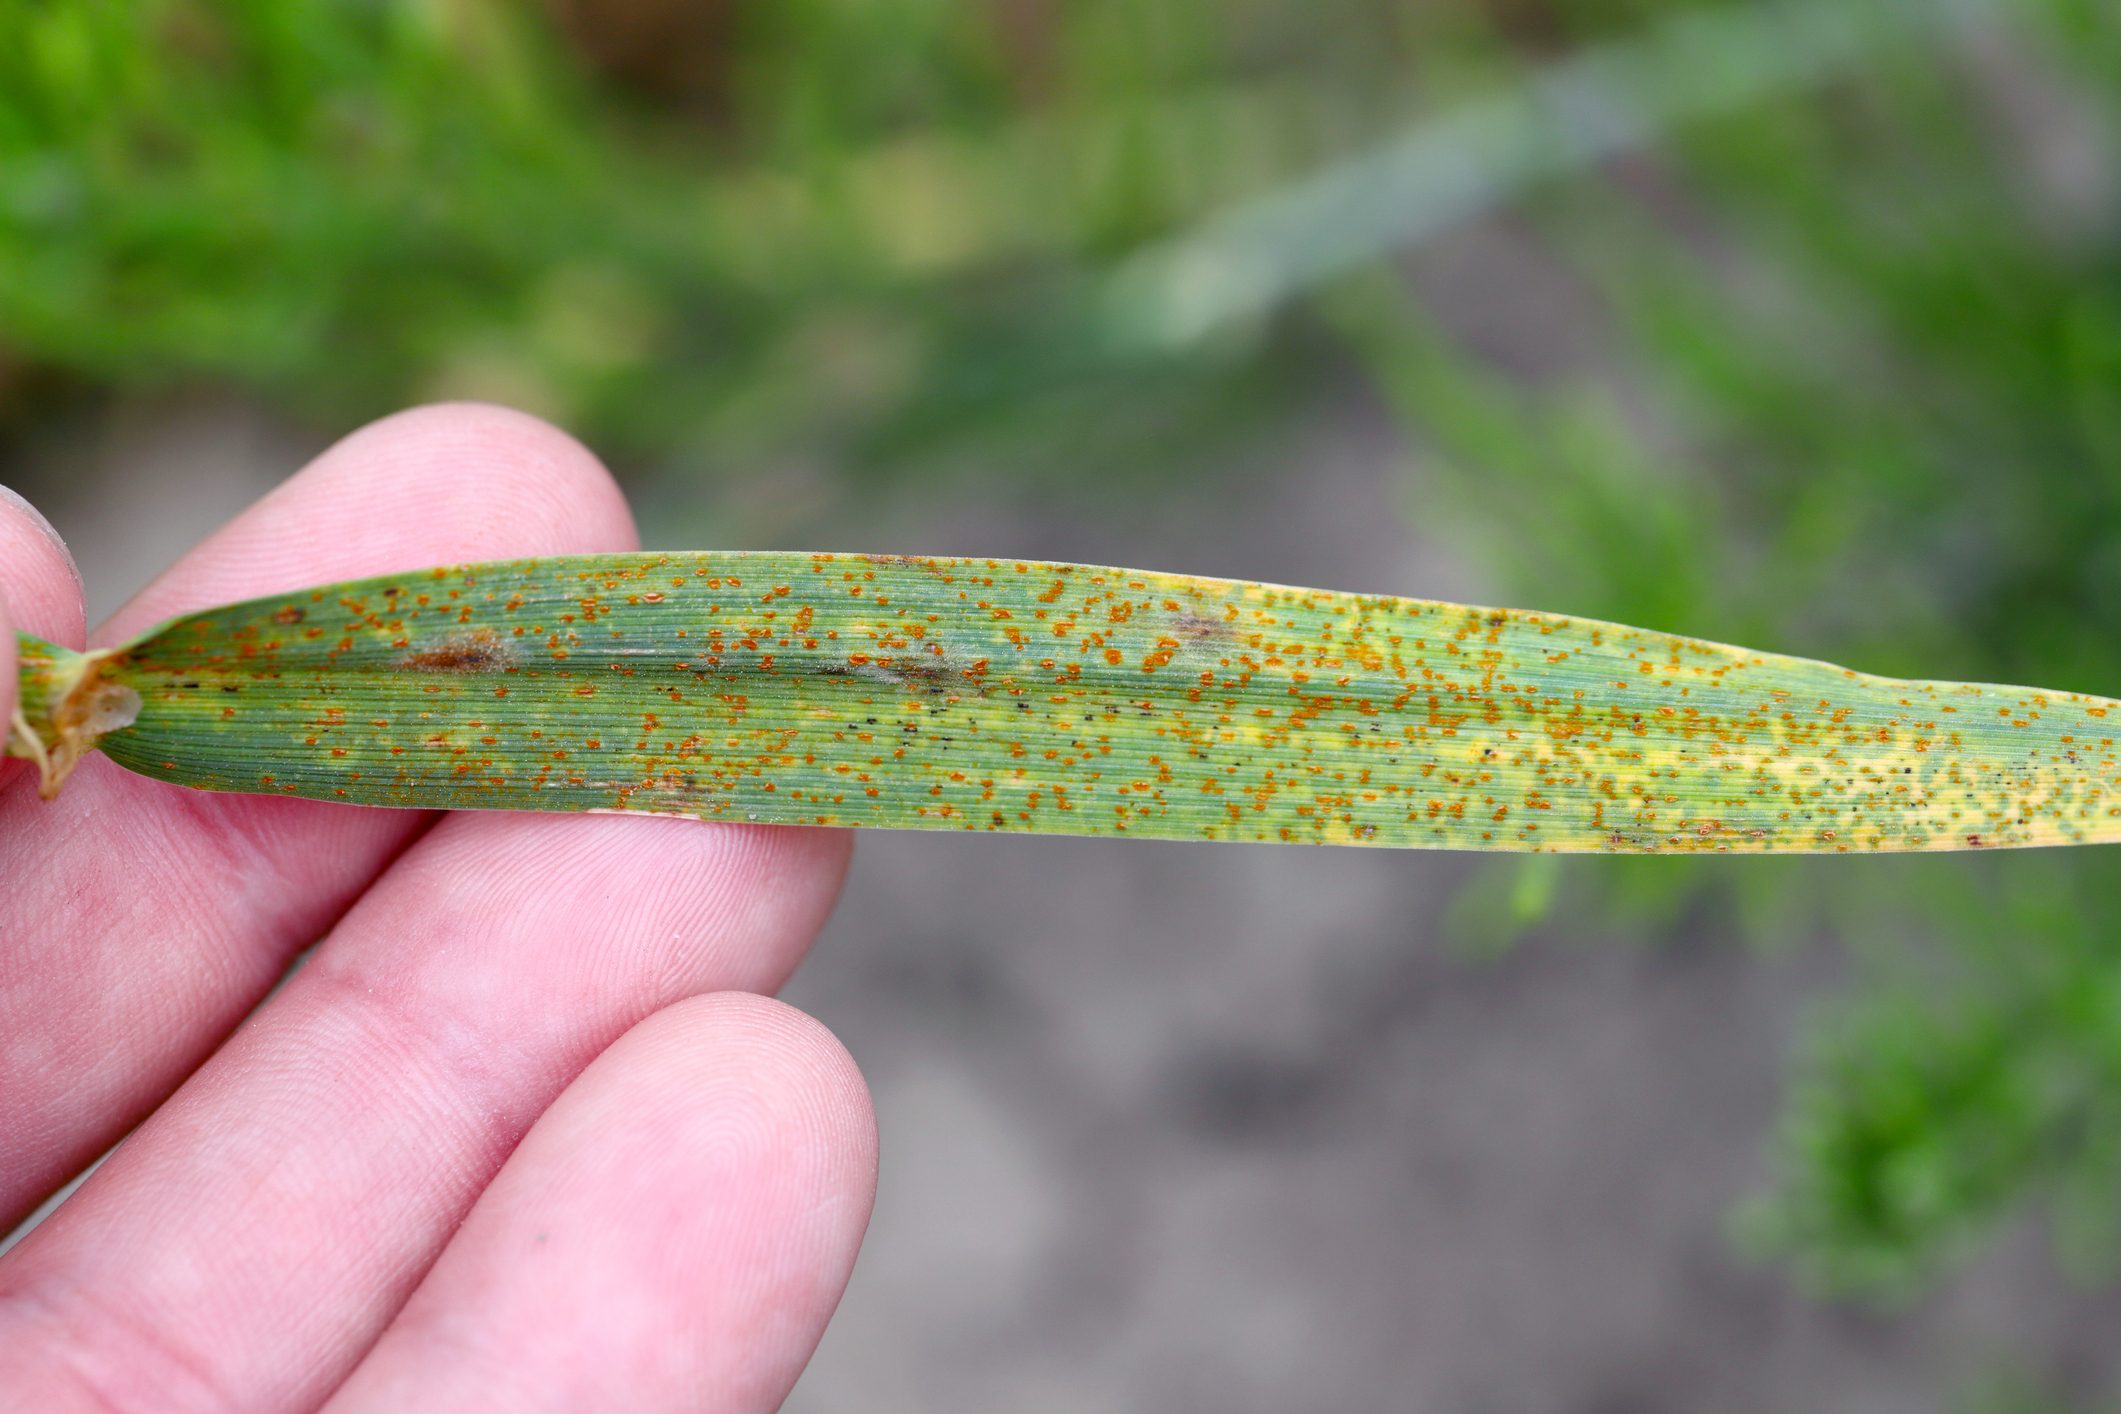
(797, 878)
(701, 1188)
(444, 484)
(749, 1098)
(37, 574)
(525, 478)
(784, 1061)
(735, 1081)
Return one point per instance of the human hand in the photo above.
(521, 1134)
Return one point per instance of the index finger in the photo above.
(140, 922)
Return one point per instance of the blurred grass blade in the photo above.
(1573, 114)
(1065, 699)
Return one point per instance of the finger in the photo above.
(37, 574)
(7, 676)
(7, 670)
(248, 1243)
(673, 1234)
(141, 921)
(40, 593)
(450, 480)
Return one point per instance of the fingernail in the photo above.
(11, 497)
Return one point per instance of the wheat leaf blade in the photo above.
(1068, 699)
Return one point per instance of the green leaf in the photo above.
(821, 689)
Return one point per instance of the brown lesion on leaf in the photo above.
(1198, 626)
(935, 674)
(479, 651)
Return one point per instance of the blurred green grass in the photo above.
(865, 247)
(1856, 307)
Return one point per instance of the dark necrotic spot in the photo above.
(936, 676)
(480, 651)
(933, 675)
(1198, 626)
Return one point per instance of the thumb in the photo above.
(7, 672)
(40, 593)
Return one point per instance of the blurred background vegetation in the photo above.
(1824, 356)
